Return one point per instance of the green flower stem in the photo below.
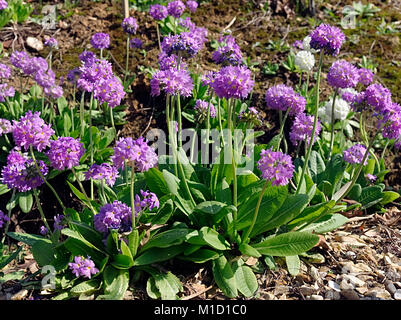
(219, 117)
(255, 216)
(307, 83)
(384, 149)
(126, 60)
(9, 217)
(170, 131)
(132, 196)
(45, 180)
(42, 215)
(360, 167)
(83, 190)
(314, 122)
(112, 119)
(91, 141)
(332, 123)
(82, 114)
(281, 135)
(231, 114)
(179, 116)
(158, 35)
(72, 110)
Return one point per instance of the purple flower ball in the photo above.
(136, 43)
(51, 43)
(202, 108)
(176, 8)
(354, 154)
(342, 74)
(192, 5)
(158, 12)
(104, 171)
(328, 38)
(5, 126)
(59, 222)
(129, 25)
(3, 219)
(83, 267)
(135, 153)
(6, 91)
(229, 53)
(233, 82)
(65, 153)
(365, 76)
(54, 91)
(379, 97)
(390, 122)
(19, 59)
(110, 91)
(172, 81)
(282, 97)
(3, 4)
(5, 71)
(302, 129)
(32, 130)
(21, 173)
(45, 79)
(276, 167)
(100, 40)
(113, 216)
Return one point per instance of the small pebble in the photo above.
(350, 294)
(332, 295)
(316, 297)
(397, 294)
(390, 287)
(334, 285)
(19, 295)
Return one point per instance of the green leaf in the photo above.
(246, 280)
(316, 164)
(269, 260)
(224, 277)
(76, 235)
(166, 239)
(151, 288)
(164, 213)
(213, 239)
(115, 283)
(154, 255)
(27, 238)
(272, 200)
(25, 201)
(155, 182)
(87, 287)
(356, 192)
(389, 196)
(43, 252)
(248, 250)
(5, 260)
(293, 264)
(311, 213)
(328, 224)
(3, 189)
(223, 192)
(287, 244)
(164, 285)
(370, 196)
(201, 256)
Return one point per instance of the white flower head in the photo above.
(341, 110)
(305, 60)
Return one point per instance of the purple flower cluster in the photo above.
(149, 201)
(390, 122)
(97, 77)
(354, 154)
(6, 91)
(136, 43)
(167, 62)
(233, 82)
(100, 40)
(65, 153)
(136, 153)
(229, 52)
(328, 38)
(129, 25)
(282, 97)
(5, 71)
(184, 44)
(176, 8)
(158, 12)
(51, 43)
(302, 129)
(82, 267)
(276, 167)
(172, 81)
(113, 216)
(3, 4)
(298, 45)
(202, 108)
(5, 126)
(73, 75)
(192, 5)
(38, 68)
(59, 222)
(21, 173)
(102, 171)
(208, 78)
(365, 76)
(379, 97)
(3, 219)
(32, 130)
(343, 74)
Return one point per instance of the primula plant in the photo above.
(204, 192)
